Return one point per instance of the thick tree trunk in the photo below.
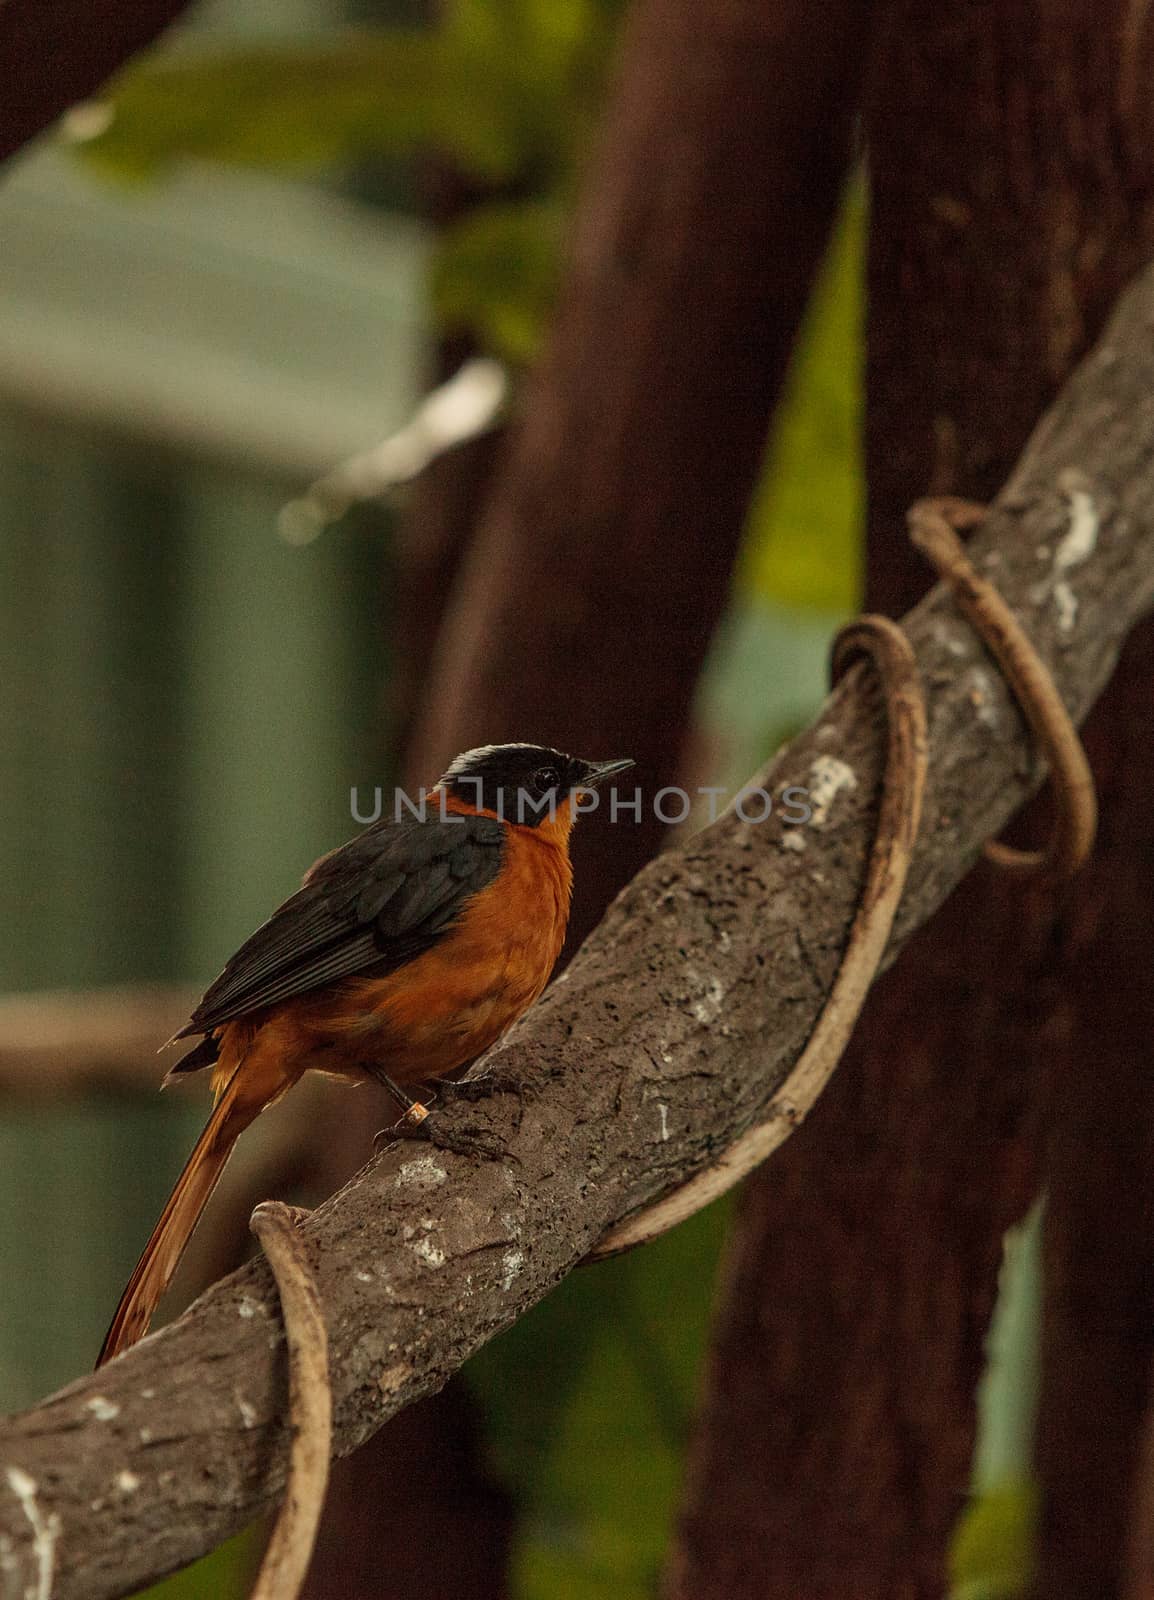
(603, 564)
(1098, 1252)
(1011, 191)
(411, 1514)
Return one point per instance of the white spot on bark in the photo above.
(1066, 602)
(423, 1173)
(393, 1377)
(980, 694)
(248, 1307)
(127, 1482)
(706, 1008)
(1081, 538)
(793, 839)
(428, 1252)
(45, 1532)
(827, 778)
(512, 1261)
(103, 1410)
(945, 635)
(247, 1411)
(364, 1277)
(664, 1114)
(145, 1435)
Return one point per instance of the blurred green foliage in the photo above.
(993, 1549)
(507, 90)
(806, 525)
(495, 273)
(588, 1402)
(228, 1571)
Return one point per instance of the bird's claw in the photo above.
(470, 1090)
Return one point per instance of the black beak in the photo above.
(596, 772)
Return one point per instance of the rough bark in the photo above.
(603, 563)
(1011, 196)
(660, 1043)
(56, 52)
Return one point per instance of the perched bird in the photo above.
(405, 954)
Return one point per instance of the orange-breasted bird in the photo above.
(406, 953)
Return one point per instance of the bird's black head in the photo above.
(523, 783)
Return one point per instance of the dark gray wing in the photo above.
(364, 910)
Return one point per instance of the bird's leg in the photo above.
(414, 1115)
(417, 1123)
(414, 1111)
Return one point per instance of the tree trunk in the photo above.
(411, 1514)
(603, 564)
(1011, 191)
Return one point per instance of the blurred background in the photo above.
(244, 266)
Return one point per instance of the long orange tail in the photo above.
(237, 1106)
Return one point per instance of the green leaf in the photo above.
(495, 274)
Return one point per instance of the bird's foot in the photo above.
(468, 1091)
(411, 1124)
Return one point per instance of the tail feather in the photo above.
(234, 1110)
(204, 1054)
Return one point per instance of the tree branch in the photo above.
(657, 1047)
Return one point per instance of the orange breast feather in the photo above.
(443, 1009)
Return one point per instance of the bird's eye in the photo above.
(546, 778)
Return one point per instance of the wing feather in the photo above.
(364, 910)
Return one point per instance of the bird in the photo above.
(405, 954)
